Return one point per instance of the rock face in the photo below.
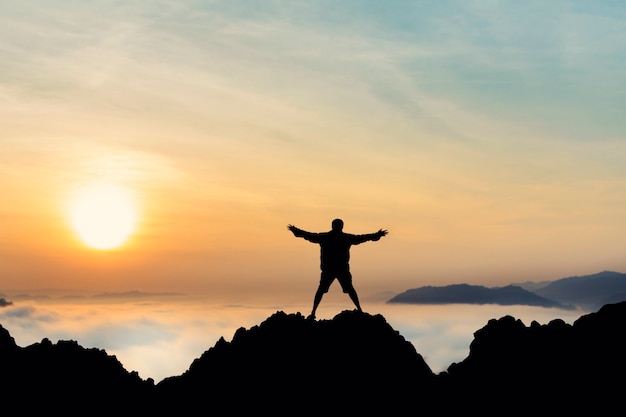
(354, 363)
(67, 378)
(555, 367)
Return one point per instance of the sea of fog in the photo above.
(160, 337)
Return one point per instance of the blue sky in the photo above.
(484, 135)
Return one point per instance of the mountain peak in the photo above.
(354, 363)
(349, 355)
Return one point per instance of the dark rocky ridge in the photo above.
(349, 363)
(354, 363)
(65, 377)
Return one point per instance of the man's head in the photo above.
(337, 225)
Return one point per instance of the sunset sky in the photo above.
(487, 137)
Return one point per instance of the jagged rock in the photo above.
(514, 363)
(68, 378)
(355, 363)
(7, 343)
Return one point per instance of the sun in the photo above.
(103, 215)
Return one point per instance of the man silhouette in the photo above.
(335, 258)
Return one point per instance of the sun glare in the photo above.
(103, 215)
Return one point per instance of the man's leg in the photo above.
(316, 301)
(326, 279)
(354, 298)
(346, 284)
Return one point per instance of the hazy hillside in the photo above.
(588, 293)
(473, 294)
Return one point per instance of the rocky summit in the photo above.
(353, 363)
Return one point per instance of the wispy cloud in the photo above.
(445, 117)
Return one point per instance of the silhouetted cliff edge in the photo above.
(66, 378)
(354, 363)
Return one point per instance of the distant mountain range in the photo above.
(354, 364)
(588, 292)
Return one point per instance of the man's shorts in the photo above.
(344, 278)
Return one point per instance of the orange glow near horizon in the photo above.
(475, 185)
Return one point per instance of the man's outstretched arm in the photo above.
(370, 236)
(296, 232)
(311, 237)
(379, 234)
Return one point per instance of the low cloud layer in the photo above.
(160, 338)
